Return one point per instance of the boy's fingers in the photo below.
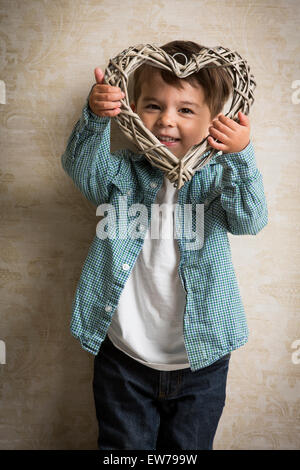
(105, 99)
(244, 120)
(105, 105)
(100, 88)
(110, 112)
(99, 75)
(227, 121)
(108, 96)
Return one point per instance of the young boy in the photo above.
(162, 319)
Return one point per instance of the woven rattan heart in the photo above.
(119, 69)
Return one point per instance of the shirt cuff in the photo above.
(240, 165)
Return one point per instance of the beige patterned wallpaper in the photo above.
(48, 51)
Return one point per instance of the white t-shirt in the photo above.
(148, 322)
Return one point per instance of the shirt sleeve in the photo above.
(87, 158)
(242, 192)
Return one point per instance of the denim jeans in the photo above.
(138, 407)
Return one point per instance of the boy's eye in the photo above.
(152, 106)
(186, 110)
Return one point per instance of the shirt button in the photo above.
(129, 192)
(108, 308)
(153, 184)
(126, 267)
(142, 227)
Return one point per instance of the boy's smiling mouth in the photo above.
(167, 140)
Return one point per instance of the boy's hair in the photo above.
(216, 82)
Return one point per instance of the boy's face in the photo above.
(178, 117)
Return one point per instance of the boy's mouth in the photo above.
(167, 140)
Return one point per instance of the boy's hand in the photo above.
(104, 100)
(232, 136)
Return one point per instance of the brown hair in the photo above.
(216, 82)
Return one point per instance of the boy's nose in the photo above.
(166, 119)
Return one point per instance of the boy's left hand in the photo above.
(232, 136)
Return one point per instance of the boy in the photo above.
(173, 315)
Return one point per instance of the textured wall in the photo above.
(48, 51)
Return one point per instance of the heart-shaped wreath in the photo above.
(117, 73)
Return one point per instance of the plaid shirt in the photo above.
(231, 189)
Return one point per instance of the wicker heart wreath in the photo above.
(178, 171)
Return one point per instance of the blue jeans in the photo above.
(142, 408)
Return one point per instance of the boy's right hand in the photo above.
(104, 100)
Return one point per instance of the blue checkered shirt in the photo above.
(231, 189)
